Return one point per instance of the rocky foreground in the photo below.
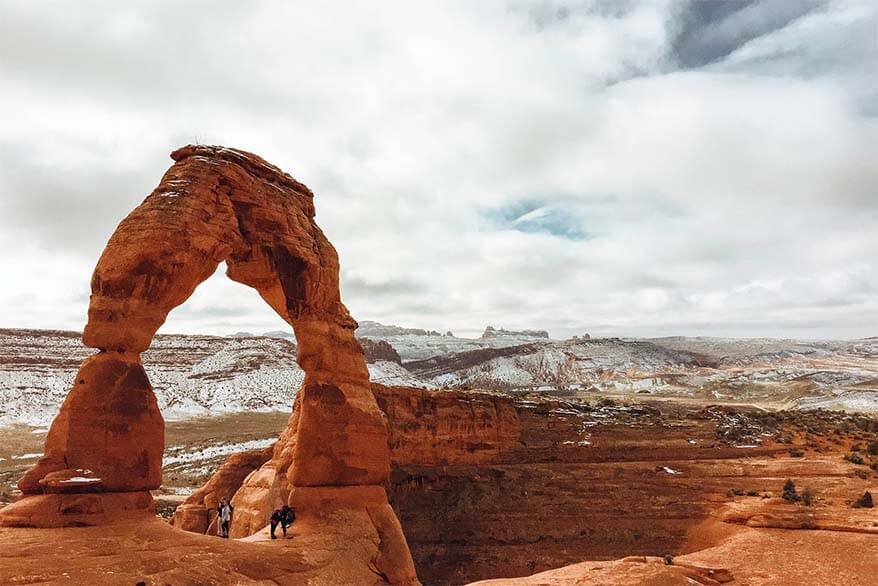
(491, 487)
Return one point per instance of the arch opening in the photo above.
(223, 307)
(225, 355)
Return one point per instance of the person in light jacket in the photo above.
(224, 518)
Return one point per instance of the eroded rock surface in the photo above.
(376, 350)
(198, 513)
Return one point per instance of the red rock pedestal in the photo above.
(222, 205)
(103, 452)
(109, 429)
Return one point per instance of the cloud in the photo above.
(628, 168)
(711, 31)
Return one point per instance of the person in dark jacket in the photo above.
(284, 517)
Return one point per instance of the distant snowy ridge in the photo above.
(191, 375)
(492, 332)
(209, 375)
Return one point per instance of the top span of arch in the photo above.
(253, 164)
(215, 204)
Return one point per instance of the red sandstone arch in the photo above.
(213, 205)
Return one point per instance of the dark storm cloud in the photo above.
(711, 30)
(549, 14)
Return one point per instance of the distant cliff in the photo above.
(375, 350)
(492, 332)
(373, 329)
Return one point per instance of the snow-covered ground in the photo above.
(191, 375)
(393, 374)
(212, 375)
(184, 455)
(781, 373)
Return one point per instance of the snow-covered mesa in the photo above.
(209, 375)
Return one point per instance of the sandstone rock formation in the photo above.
(222, 205)
(627, 571)
(197, 514)
(376, 350)
(442, 428)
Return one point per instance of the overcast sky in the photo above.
(619, 168)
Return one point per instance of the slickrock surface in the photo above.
(213, 205)
(627, 571)
(149, 550)
(763, 557)
(749, 557)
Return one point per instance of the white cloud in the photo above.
(737, 197)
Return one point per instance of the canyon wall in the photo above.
(490, 486)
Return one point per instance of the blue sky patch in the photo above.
(535, 216)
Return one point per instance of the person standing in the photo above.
(224, 518)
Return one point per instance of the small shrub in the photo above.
(796, 453)
(873, 448)
(789, 492)
(856, 448)
(864, 502)
(855, 458)
(752, 493)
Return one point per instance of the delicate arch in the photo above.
(215, 204)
